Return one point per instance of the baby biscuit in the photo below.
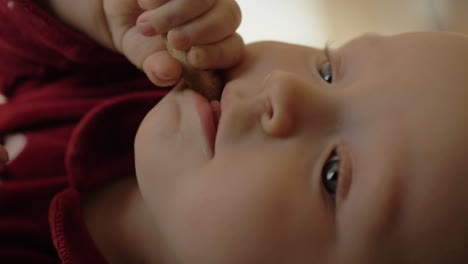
(206, 82)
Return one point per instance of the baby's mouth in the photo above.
(216, 107)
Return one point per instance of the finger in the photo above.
(221, 55)
(162, 69)
(173, 14)
(211, 27)
(137, 47)
(151, 4)
(149, 54)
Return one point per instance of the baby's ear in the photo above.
(3, 155)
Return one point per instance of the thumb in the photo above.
(162, 69)
(149, 54)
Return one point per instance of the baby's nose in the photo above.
(283, 92)
(295, 104)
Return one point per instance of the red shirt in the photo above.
(78, 107)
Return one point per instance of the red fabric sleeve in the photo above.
(32, 41)
(53, 77)
(100, 151)
(34, 44)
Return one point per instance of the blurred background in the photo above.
(314, 22)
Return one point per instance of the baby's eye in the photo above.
(326, 71)
(331, 173)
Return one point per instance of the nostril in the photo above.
(266, 118)
(284, 91)
(276, 123)
(268, 109)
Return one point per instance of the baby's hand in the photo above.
(203, 28)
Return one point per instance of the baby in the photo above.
(353, 155)
(347, 155)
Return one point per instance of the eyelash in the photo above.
(328, 77)
(338, 159)
(326, 176)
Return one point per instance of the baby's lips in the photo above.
(3, 155)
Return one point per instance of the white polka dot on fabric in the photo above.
(3, 99)
(15, 144)
(10, 4)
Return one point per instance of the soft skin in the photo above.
(395, 114)
(205, 29)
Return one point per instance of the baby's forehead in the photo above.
(430, 77)
(447, 48)
(431, 42)
(424, 56)
(437, 41)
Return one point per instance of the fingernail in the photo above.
(165, 75)
(146, 28)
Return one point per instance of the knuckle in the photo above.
(236, 50)
(164, 23)
(218, 54)
(207, 57)
(236, 57)
(151, 4)
(206, 3)
(142, 4)
(199, 6)
(234, 15)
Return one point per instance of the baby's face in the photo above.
(359, 161)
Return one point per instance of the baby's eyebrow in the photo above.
(334, 57)
(326, 50)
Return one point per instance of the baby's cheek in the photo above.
(153, 140)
